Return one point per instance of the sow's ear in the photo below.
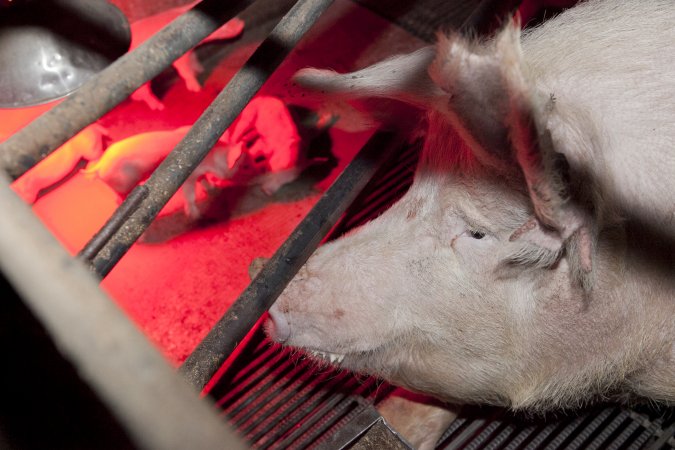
(402, 77)
(498, 114)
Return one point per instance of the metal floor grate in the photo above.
(282, 400)
(608, 427)
(279, 399)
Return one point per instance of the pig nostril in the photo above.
(278, 328)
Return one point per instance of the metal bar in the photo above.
(542, 435)
(111, 86)
(583, 435)
(563, 434)
(299, 415)
(261, 388)
(608, 430)
(147, 397)
(331, 420)
(187, 155)
(349, 434)
(666, 435)
(485, 435)
(499, 440)
(291, 413)
(295, 384)
(622, 439)
(318, 411)
(277, 394)
(467, 433)
(453, 428)
(118, 219)
(221, 341)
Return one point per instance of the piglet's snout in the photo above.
(277, 326)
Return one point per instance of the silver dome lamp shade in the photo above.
(49, 48)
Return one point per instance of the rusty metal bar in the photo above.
(187, 155)
(221, 341)
(157, 408)
(108, 88)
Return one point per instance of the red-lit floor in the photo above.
(176, 289)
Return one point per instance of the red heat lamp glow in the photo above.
(76, 204)
(176, 285)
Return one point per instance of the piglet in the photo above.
(188, 65)
(260, 148)
(87, 144)
(532, 263)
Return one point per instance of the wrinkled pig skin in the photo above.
(531, 263)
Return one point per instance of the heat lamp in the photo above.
(49, 48)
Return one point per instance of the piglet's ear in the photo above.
(401, 77)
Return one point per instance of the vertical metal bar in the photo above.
(147, 397)
(282, 267)
(108, 88)
(187, 155)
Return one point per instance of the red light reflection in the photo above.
(176, 289)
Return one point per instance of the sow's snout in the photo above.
(277, 326)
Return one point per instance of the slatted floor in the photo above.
(281, 400)
(609, 427)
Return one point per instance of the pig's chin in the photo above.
(354, 361)
(364, 359)
(360, 361)
(279, 331)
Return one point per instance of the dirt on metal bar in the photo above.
(221, 341)
(188, 154)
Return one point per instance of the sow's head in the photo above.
(463, 288)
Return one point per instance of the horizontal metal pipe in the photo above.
(221, 341)
(187, 155)
(146, 396)
(111, 86)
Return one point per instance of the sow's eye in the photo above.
(476, 234)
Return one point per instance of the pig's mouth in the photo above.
(333, 358)
(278, 329)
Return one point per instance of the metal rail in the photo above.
(187, 155)
(157, 408)
(117, 221)
(108, 88)
(210, 354)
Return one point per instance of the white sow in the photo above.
(532, 262)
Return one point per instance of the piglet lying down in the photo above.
(260, 148)
(531, 264)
